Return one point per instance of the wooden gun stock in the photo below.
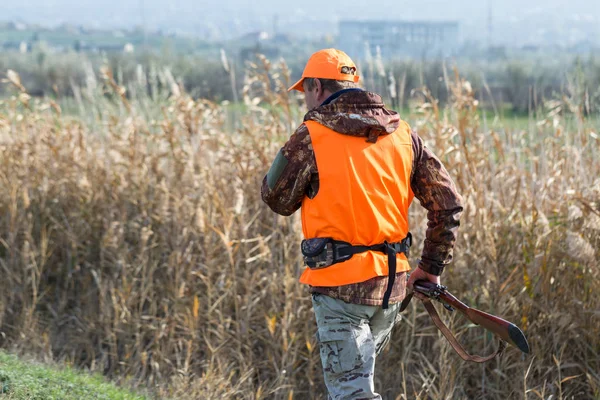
(503, 329)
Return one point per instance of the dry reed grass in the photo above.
(136, 244)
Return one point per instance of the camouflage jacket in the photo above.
(294, 175)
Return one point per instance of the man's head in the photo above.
(326, 72)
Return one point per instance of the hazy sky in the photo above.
(235, 17)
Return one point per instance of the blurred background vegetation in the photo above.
(133, 240)
(52, 62)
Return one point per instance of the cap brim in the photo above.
(297, 86)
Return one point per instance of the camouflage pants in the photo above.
(350, 337)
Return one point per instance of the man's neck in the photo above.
(337, 94)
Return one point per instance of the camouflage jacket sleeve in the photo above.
(292, 175)
(435, 190)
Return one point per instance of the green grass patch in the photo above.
(21, 380)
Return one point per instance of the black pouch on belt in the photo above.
(318, 252)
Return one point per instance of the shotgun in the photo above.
(504, 330)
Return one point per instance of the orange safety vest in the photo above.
(363, 199)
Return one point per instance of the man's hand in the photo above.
(417, 275)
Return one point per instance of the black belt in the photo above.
(337, 251)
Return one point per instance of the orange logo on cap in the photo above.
(328, 64)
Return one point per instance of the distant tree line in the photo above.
(519, 85)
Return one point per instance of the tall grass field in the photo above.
(134, 242)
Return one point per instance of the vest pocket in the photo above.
(339, 349)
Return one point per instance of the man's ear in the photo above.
(321, 95)
(318, 86)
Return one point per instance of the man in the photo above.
(353, 168)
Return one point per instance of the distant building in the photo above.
(398, 38)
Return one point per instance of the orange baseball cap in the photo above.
(327, 64)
